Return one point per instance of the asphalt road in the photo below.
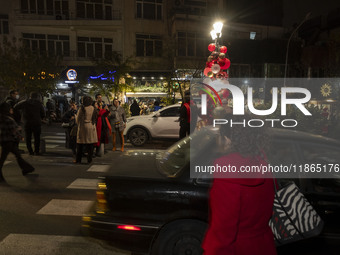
(41, 213)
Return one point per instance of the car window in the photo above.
(323, 155)
(316, 153)
(178, 156)
(170, 112)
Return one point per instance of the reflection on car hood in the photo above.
(141, 116)
(136, 163)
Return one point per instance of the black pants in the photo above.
(36, 130)
(88, 150)
(8, 147)
(184, 130)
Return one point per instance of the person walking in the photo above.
(134, 108)
(86, 133)
(117, 119)
(10, 135)
(241, 204)
(188, 116)
(32, 112)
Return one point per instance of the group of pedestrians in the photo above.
(91, 126)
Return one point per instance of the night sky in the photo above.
(277, 12)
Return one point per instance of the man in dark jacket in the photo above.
(9, 137)
(12, 99)
(135, 109)
(32, 112)
(188, 116)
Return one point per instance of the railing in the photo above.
(22, 14)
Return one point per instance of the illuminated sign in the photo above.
(71, 74)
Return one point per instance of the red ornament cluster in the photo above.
(217, 62)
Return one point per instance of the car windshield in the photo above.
(172, 161)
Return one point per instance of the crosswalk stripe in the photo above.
(15, 244)
(54, 137)
(84, 184)
(55, 141)
(65, 207)
(99, 168)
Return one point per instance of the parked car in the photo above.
(163, 123)
(152, 206)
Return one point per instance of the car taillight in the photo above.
(129, 227)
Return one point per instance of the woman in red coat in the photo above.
(240, 208)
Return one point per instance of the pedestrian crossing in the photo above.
(51, 141)
(50, 244)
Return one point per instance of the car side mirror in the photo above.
(156, 115)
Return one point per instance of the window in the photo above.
(95, 9)
(94, 47)
(171, 112)
(52, 44)
(46, 7)
(149, 9)
(191, 44)
(4, 29)
(148, 45)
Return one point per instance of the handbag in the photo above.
(293, 217)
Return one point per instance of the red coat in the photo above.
(102, 113)
(240, 212)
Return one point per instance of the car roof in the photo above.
(170, 106)
(299, 135)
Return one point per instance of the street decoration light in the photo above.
(217, 63)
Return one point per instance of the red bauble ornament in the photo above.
(209, 64)
(221, 62)
(223, 49)
(226, 65)
(215, 54)
(225, 93)
(206, 71)
(211, 47)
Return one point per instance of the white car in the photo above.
(163, 123)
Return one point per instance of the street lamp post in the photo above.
(288, 43)
(216, 33)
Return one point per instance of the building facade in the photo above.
(160, 37)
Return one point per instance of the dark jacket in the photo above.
(9, 130)
(135, 109)
(16, 114)
(188, 118)
(32, 111)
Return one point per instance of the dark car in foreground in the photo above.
(152, 206)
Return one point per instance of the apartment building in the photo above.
(160, 36)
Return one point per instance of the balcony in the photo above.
(21, 14)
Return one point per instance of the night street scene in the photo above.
(169, 127)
